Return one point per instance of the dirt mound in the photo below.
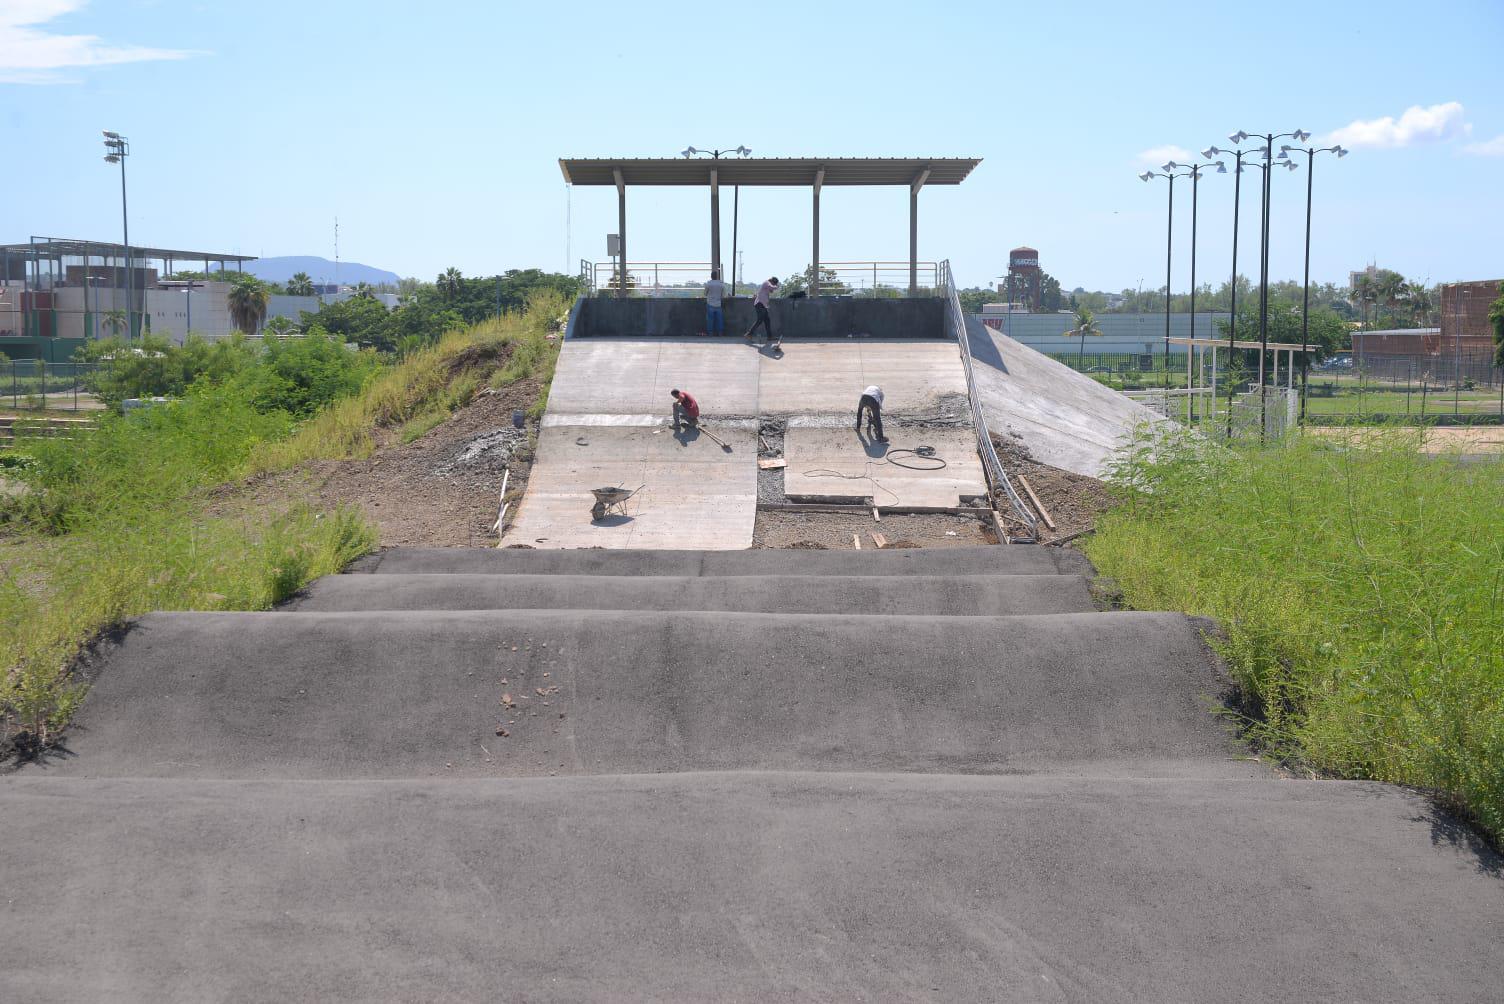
(1074, 501)
(440, 490)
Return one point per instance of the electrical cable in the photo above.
(923, 453)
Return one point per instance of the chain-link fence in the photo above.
(37, 385)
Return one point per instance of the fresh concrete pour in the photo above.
(607, 425)
(710, 775)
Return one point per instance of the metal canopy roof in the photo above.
(771, 171)
(50, 248)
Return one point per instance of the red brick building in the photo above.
(1464, 315)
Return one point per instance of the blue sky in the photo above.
(433, 131)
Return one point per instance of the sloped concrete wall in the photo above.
(815, 316)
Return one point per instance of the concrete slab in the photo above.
(1066, 419)
(1018, 559)
(633, 376)
(820, 377)
(839, 463)
(747, 886)
(869, 595)
(695, 494)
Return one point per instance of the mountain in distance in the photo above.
(320, 270)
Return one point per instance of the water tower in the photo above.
(1024, 277)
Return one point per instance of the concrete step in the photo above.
(1017, 559)
(395, 694)
(743, 886)
(989, 595)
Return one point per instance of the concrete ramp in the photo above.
(1016, 559)
(1064, 418)
(419, 693)
(625, 785)
(608, 424)
(885, 595)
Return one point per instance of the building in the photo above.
(1465, 326)
(1122, 334)
(57, 294)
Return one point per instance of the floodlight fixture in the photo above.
(1210, 152)
(111, 135)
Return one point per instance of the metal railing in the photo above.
(997, 477)
(667, 279)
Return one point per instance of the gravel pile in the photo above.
(487, 453)
(770, 484)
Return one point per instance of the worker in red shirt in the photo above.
(686, 408)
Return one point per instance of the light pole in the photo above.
(1305, 305)
(1300, 136)
(736, 205)
(1168, 172)
(1232, 323)
(120, 148)
(1195, 170)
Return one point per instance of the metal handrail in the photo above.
(997, 477)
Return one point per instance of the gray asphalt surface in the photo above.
(808, 803)
(912, 595)
(1014, 559)
(741, 887)
(419, 693)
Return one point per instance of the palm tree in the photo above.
(113, 321)
(280, 327)
(1421, 304)
(1391, 289)
(449, 282)
(1366, 290)
(248, 301)
(300, 285)
(1086, 324)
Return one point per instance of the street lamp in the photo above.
(1305, 306)
(736, 205)
(120, 148)
(1195, 170)
(1300, 136)
(1169, 173)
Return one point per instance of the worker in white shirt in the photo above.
(871, 402)
(760, 304)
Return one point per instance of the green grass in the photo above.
(1360, 590)
(123, 520)
(431, 381)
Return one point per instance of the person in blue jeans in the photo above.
(715, 318)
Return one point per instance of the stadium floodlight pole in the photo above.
(1305, 305)
(1195, 170)
(1300, 136)
(1167, 172)
(120, 148)
(736, 197)
(1232, 320)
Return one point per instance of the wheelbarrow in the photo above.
(611, 500)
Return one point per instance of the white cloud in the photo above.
(30, 54)
(1489, 148)
(1416, 125)
(1157, 157)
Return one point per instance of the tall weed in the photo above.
(1361, 589)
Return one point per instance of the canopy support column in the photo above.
(814, 281)
(715, 222)
(621, 223)
(914, 188)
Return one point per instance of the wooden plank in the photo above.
(1037, 504)
(879, 540)
(856, 541)
(893, 510)
(771, 463)
(876, 517)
